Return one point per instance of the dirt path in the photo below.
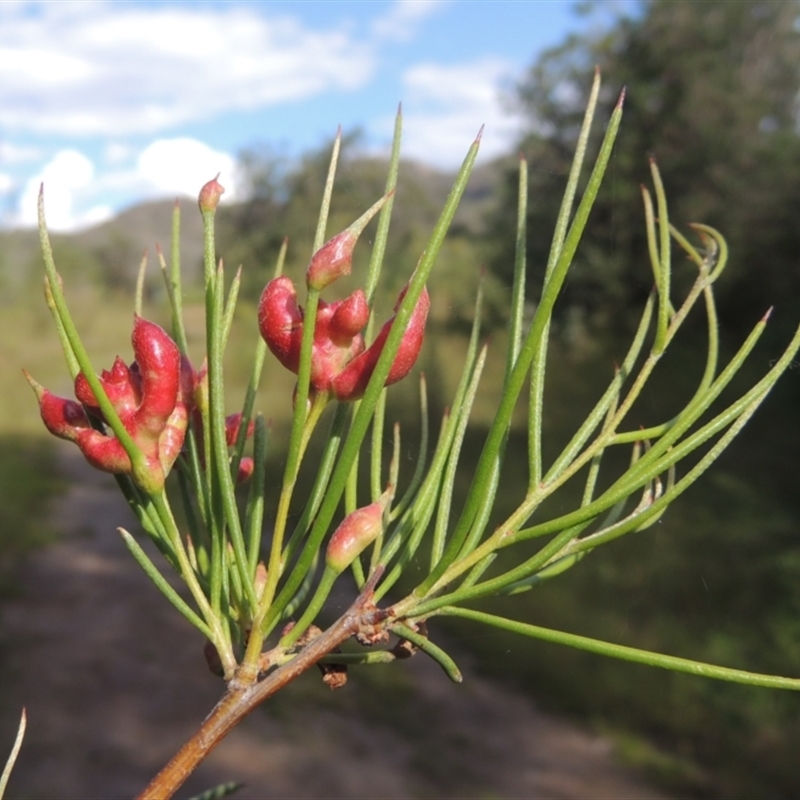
(114, 681)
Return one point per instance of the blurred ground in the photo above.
(114, 681)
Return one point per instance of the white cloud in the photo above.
(165, 168)
(117, 153)
(444, 105)
(183, 165)
(93, 216)
(64, 176)
(403, 18)
(6, 183)
(104, 68)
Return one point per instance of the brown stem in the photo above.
(238, 701)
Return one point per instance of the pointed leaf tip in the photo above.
(35, 385)
(765, 318)
(480, 134)
(621, 98)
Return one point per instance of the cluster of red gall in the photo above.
(341, 364)
(159, 393)
(154, 398)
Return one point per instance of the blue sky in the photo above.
(111, 103)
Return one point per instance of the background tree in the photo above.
(282, 199)
(712, 92)
(712, 95)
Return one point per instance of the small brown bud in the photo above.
(213, 660)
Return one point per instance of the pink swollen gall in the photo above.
(357, 531)
(209, 196)
(335, 258)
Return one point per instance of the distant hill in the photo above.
(143, 226)
(109, 253)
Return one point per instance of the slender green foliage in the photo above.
(242, 588)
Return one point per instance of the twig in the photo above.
(240, 700)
